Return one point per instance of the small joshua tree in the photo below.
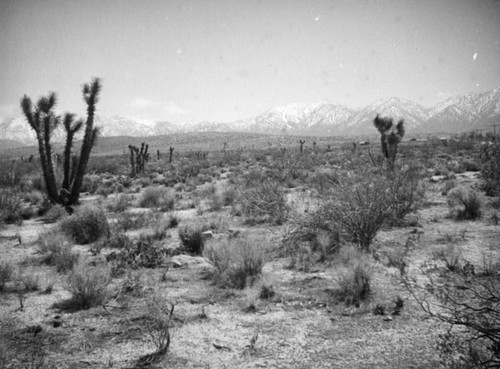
(44, 121)
(138, 158)
(390, 136)
(302, 142)
(171, 150)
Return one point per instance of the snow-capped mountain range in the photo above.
(456, 114)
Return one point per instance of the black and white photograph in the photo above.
(249, 184)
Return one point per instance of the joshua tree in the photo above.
(302, 142)
(171, 150)
(44, 121)
(390, 136)
(138, 157)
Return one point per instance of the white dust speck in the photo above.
(178, 51)
(316, 19)
(474, 57)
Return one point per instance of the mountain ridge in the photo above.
(455, 114)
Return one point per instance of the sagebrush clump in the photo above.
(88, 285)
(464, 203)
(239, 261)
(87, 225)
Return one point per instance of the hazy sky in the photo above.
(188, 61)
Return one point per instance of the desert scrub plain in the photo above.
(260, 256)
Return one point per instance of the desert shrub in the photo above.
(266, 292)
(34, 197)
(157, 197)
(469, 165)
(6, 272)
(451, 256)
(57, 250)
(264, 200)
(54, 213)
(30, 280)
(354, 280)
(159, 324)
(119, 241)
(172, 221)
(489, 157)
(307, 235)
(239, 261)
(133, 284)
(448, 185)
(191, 236)
(215, 202)
(465, 204)
(406, 190)
(127, 221)
(469, 305)
(229, 195)
(105, 164)
(10, 206)
(88, 285)
(359, 207)
(87, 225)
(142, 253)
(120, 204)
(90, 183)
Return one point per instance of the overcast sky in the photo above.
(187, 61)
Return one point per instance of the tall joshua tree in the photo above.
(390, 136)
(44, 121)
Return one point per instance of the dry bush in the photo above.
(359, 207)
(159, 325)
(464, 203)
(239, 261)
(142, 253)
(264, 200)
(470, 306)
(6, 272)
(489, 157)
(407, 192)
(120, 204)
(159, 198)
(127, 221)
(55, 213)
(119, 241)
(57, 250)
(191, 236)
(451, 256)
(30, 280)
(448, 186)
(87, 225)
(10, 206)
(308, 235)
(88, 285)
(355, 274)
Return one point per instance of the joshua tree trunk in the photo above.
(91, 96)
